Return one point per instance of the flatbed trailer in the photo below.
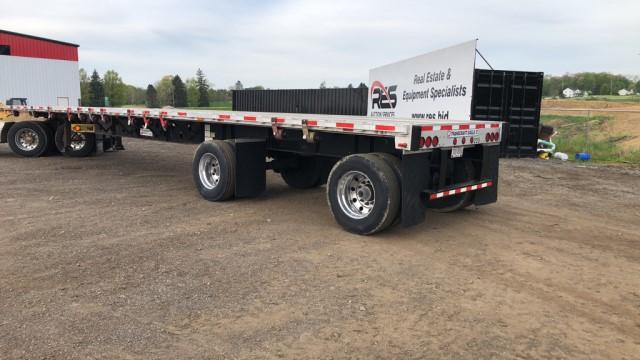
(377, 171)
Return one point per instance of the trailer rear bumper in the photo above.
(419, 189)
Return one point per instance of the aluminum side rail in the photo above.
(409, 134)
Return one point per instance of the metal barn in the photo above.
(43, 71)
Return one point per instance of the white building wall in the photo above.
(42, 81)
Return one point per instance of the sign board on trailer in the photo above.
(433, 86)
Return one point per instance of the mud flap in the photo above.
(251, 172)
(416, 172)
(490, 156)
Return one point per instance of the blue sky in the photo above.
(298, 44)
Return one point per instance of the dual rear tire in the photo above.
(29, 139)
(363, 192)
(308, 172)
(34, 139)
(214, 170)
(81, 144)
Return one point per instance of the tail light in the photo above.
(435, 141)
(428, 141)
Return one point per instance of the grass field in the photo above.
(593, 135)
(215, 105)
(613, 98)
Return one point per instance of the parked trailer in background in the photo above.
(376, 170)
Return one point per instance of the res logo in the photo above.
(383, 97)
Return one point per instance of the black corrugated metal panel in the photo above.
(347, 101)
(513, 97)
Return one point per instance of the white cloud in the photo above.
(290, 44)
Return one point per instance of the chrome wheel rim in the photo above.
(78, 141)
(27, 139)
(209, 170)
(356, 194)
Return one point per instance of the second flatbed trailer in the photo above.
(377, 171)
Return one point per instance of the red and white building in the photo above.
(43, 71)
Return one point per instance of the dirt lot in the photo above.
(622, 124)
(116, 256)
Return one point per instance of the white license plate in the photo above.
(457, 152)
(146, 132)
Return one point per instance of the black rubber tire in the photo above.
(463, 172)
(394, 162)
(385, 186)
(396, 166)
(225, 154)
(86, 150)
(43, 138)
(311, 172)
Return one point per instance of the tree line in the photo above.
(591, 82)
(170, 90)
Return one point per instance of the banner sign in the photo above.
(437, 85)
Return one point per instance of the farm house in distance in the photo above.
(42, 71)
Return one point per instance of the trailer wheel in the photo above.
(394, 162)
(363, 194)
(396, 165)
(311, 172)
(214, 170)
(29, 139)
(81, 144)
(463, 171)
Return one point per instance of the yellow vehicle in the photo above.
(31, 135)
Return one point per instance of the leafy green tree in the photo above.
(114, 88)
(203, 89)
(180, 92)
(152, 97)
(362, 85)
(257, 87)
(638, 87)
(323, 85)
(219, 95)
(192, 92)
(96, 90)
(594, 83)
(84, 87)
(165, 90)
(135, 95)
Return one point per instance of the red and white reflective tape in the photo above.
(460, 190)
(385, 128)
(459, 127)
(345, 125)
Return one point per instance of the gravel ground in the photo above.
(116, 256)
